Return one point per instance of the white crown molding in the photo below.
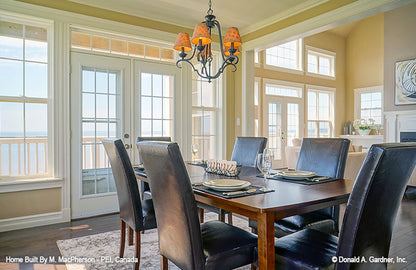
(305, 5)
(18, 223)
(346, 14)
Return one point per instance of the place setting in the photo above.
(299, 177)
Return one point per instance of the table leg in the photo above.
(265, 230)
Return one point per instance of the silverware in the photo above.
(317, 179)
(239, 192)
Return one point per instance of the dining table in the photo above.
(286, 199)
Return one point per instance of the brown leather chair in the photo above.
(143, 186)
(244, 153)
(182, 240)
(326, 157)
(138, 215)
(368, 220)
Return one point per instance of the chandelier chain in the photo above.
(210, 11)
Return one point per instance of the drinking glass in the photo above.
(264, 162)
(195, 150)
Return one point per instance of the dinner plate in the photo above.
(296, 175)
(226, 185)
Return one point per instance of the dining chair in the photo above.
(138, 215)
(245, 153)
(368, 221)
(144, 187)
(326, 157)
(182, 239)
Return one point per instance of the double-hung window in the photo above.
(368, 103)
(320, 62)
(320, 112)
(287, 55)
(25, 109)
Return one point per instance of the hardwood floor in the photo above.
(41, 241)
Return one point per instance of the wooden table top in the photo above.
(287, 199)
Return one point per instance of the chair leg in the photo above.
(163, 262)
(221, 216)
(130, 236)
(201, 215)
(254, 230)
(230, 218)
(122, 238)
(137, 251)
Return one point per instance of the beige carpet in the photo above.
(100, 251)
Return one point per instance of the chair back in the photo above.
(126, 184)
(246, 150)
(156, 139)
(176, 212)
(325, 156)
(374, 201)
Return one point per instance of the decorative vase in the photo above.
(364, 131)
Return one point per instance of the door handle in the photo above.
(128, 146)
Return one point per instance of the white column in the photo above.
(247, 105)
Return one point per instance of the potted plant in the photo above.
(364, 126)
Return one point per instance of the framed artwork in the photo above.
(405, 82)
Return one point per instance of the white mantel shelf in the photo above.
(363, 137)
(365, 140)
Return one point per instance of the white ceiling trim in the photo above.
(282, 15)
(346, 14)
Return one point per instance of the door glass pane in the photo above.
(275, 129)
(156, 95)
(292, 122)
(100, 111)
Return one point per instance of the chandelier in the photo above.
(202, 51)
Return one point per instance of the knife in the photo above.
(239, 192)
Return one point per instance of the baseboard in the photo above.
(18, 223)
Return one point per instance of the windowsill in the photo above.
(283, 69)
(320, 76)
(13, 185)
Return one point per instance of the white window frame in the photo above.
(51, 145)
(320, 52)
(357, 99)
(271, 82)
(257, 55)
(298, 69)
(257, 97)
(332, 98)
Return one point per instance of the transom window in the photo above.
(368, 104)
(320, 113)
(321, 62)
(283, 90)
(84, 41)
(287, 55)
(25, 122)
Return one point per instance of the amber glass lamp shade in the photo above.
(232, 36)
(182, 41)
(227, 53)
(201, 32)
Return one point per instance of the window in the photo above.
(156, 105)
(285, 90)
(25, 122)
(320, 112)
(321, 62)
(368, 103)
(84, 41)
(287, 55)
(206, 120)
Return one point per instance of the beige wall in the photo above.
(32, 202)
(364, 58)
(399, 44)
(326, 41)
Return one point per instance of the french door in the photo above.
(115, 98)
(100, 108)
(283, 120)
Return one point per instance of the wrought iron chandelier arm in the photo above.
(217, 24)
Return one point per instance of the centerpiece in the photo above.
(364, 126)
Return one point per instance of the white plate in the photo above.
(295, 175)
(225, 183)
(211, 185)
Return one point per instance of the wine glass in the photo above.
(195, 150)
(264, 162)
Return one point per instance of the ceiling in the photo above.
(247, 15)
(344, 30)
